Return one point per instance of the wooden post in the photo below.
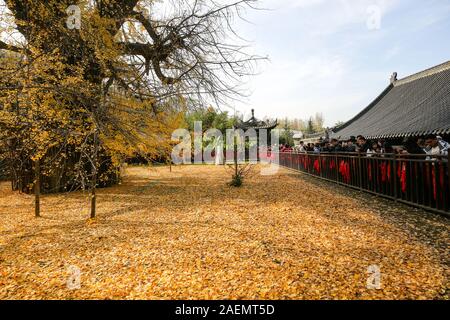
(337, 169)
(37, 188)
(394, 175)
(360, 172)
(320, 165)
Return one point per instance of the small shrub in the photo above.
(237, 181)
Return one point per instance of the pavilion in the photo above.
(256, 124)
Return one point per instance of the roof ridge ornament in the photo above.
(394, 77)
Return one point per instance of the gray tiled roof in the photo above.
(416, 105)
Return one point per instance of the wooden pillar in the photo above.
(337, 169)
(394, 175)
(360, 172)
(320, 164)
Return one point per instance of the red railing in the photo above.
(416, 180)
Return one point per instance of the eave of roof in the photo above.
(261, 127)
(257, 125)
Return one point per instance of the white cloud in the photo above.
(326, 17)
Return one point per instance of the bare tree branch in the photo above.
(8, 47)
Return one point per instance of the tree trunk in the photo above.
(94, 177)
(93, 199)
(37, 189)
(235, 157)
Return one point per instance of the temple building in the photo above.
(410, 107)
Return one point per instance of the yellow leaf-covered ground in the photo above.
(186, 234)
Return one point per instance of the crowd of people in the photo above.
(430, 145)
(419, 174)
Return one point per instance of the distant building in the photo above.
(315, 137)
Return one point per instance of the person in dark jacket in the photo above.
(335, 146)
(411, 146)
(418, 171)
(351, 145)
(363, 144)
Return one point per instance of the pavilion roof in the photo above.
(256, 124)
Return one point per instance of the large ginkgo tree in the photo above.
(85, 84)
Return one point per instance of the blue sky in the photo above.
(336, 56)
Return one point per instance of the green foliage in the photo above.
(339, 123)
(237, 180)
(287, 136)
(310, 128)
(210, 118)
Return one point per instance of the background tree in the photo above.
(318, 122)
(287, 136)
(210, 118)
(339, 123)
(310, 129)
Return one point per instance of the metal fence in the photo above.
(413, 179)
